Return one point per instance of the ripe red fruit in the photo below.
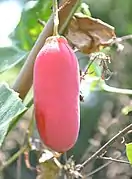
(56, 94)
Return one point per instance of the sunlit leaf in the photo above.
(127, 109)
(10, 107)
(129, 152)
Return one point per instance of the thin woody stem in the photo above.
(106, 146)
(123, 38)
(13, 158)
(114, 160)
(56, 17)
(98, 169)
(22, 150)
(104, 166)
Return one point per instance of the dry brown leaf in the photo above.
(89, 34)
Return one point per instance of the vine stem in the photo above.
(106, 146)
(13, 158)
(22, 149)
(101, 167)
(108, 88)
(98, 169)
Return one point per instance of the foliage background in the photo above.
(101, 116)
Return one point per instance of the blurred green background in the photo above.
(101, 116)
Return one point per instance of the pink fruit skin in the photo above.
(56, 94)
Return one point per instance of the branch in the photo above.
(13, 158)
(22, 149)
(114, 160)
(98, 169)
(105, 165)
(106, 146)
(123, 38)
(24, 80)
(118, 42)
(42, 23)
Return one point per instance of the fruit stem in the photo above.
(56, 17)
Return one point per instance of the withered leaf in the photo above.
(89, 34)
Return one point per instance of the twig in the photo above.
(118, 42)
(101, 167)
(98, 169)
(106, 146)
(13, 158)
(22, 149)
(89, 65)
(42, 23)
(113, 159)
(71, 13)
(24, 80)
(19, 165)
(120, 39)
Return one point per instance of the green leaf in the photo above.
(9, 57)
(28, 28)
(10, 107)
(16, 119)
(129, 152)
(127, 110)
